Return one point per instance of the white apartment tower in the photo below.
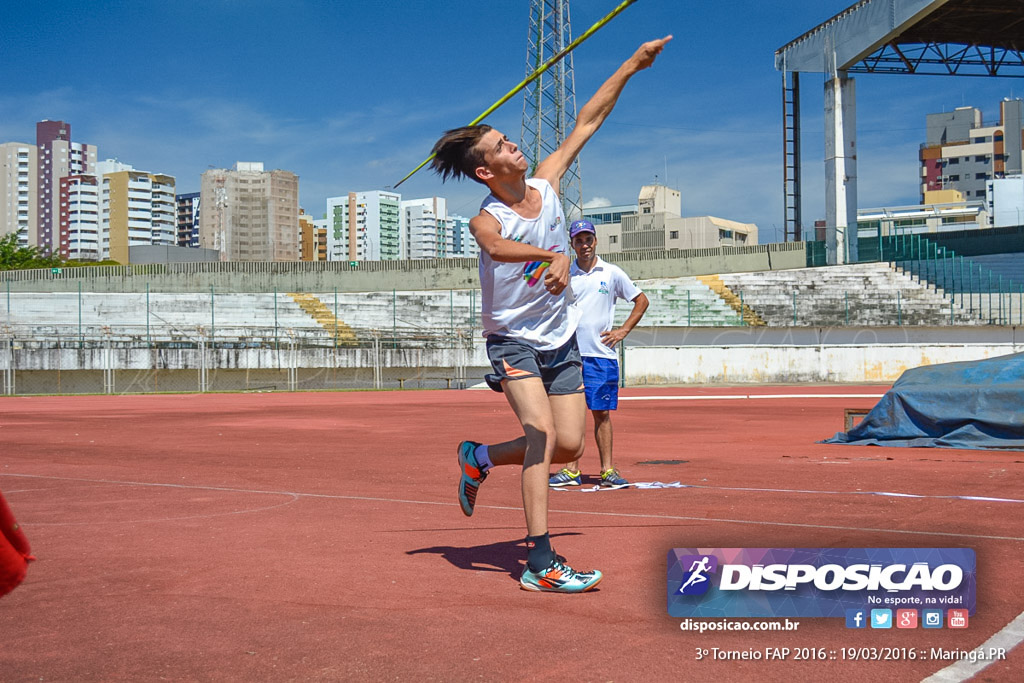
(249, 214)
(365, 226)
(80, 227)
(337, 229)
(463, 243)
(377, 226)
(426, 228)
(18, 194)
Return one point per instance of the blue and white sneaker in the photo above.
(559, 578)
(611, 479)
(565, 478)
(471, 476)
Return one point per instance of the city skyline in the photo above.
(352, 98)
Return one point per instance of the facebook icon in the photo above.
(856, 618)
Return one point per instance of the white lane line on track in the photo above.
(739, 397)
(1009, 637)
(890, 494)
(628, 515)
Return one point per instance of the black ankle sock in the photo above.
(539, 553)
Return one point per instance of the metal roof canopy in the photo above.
(934, 37)
(938, 37)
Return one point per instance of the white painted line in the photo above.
(743, 397)
(1006, 639)
(629, 515)
(645, 485)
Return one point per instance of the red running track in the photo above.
(318, 537)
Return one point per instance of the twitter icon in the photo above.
(881, 618)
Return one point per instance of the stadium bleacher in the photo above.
(860, 294)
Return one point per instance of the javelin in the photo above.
(535, 75)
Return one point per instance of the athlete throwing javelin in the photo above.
(528, 318)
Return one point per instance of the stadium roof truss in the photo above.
(926, 37)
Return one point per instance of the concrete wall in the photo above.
(795, 355)
(164, 253)
(369, 276)
(651, 356)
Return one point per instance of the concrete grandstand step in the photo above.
(683, 301)
(858, 294)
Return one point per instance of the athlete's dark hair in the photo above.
(456, 154)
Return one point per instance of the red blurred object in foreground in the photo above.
(15, 553)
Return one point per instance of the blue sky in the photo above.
(352, 95)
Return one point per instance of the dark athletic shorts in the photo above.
(560, 369)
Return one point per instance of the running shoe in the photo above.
(612, 479)
(471, 476)
(565, 478)
(559, 578)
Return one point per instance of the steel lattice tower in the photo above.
(549, 103)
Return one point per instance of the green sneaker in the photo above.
(611, 479)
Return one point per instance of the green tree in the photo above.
(13, 257)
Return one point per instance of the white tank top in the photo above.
(514, 302)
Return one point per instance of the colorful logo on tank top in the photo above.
(554, 226)
(534, 270)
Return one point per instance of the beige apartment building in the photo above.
(249, 214)
(312, 239)
(18, 191)
(136, 209)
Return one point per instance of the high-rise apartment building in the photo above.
(963, 153)
(188, 219)
(322, 245)
(57, 157)
(338, 219)
(425, 229)
(81, 234)
(18, 179)
(249, 214)
(136, 209)
(378, 226)
(312, 238)
(463, 243)
(365, 226)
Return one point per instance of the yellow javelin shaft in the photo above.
(535, 75)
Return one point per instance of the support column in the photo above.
(840, 169)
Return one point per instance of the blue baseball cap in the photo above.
(581, 226)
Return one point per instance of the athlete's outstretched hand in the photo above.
(646, 53)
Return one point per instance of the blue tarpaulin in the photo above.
(972, 404)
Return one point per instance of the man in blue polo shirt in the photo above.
(596, 285)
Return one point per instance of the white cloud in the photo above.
(597, 202)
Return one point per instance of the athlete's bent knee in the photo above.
(568, 449)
